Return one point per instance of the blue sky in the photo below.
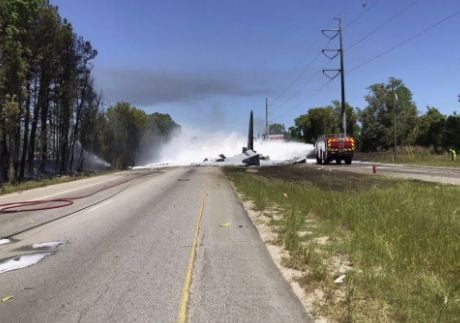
(208, 62)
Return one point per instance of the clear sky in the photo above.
(208, 62)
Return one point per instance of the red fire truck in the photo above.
(336, 147)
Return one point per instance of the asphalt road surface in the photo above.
(444, 175)
(150, 246)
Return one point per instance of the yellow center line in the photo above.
(183, 308)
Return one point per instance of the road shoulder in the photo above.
(235, 277)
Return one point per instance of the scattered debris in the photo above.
(4, 241)
(22, 261)
(34, 254)
(340, 279)
(6, 299)
(47, 245)
(285, 195)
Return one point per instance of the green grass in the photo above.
(402, 238)
(421, 157)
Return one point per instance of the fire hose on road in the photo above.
(48, 204)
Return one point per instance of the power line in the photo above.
(304, 85)
(361, 15)
(365, 37)
(379, 55)
(386, 22)
(299, 76)
(357, 18)
(294, 107)
(406, 41)
(307, 67)
(301, 88)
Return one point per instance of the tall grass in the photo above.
(402, 238)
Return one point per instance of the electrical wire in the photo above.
(405, 41)
(364, 38)
(299, 76)
(363, 13)
(386, 22)
(315, 75)
(310, 96)
(308, 67)
(384, 52)
(304, 85)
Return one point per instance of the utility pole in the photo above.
(331, 34)
(395, 101)
(267, 130)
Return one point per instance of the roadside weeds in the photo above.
(385, 251)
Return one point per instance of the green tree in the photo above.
(316, 122)
(128, 126)
(10, 116)
(323, 120)
(351, 116)
(48, 105)
(431, 128)
(16, 21)
(161, 124)
(377, 119)
(160, 129)
(277, 129)
(452, 132)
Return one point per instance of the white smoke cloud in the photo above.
(192, 146)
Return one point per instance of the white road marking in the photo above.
(98, 206)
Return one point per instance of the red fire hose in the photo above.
(37, 205)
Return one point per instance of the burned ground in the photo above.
(323, 177)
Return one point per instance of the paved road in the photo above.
(424, 173)
(128, 252)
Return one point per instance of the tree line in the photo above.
(50, 111)
(390, 109)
